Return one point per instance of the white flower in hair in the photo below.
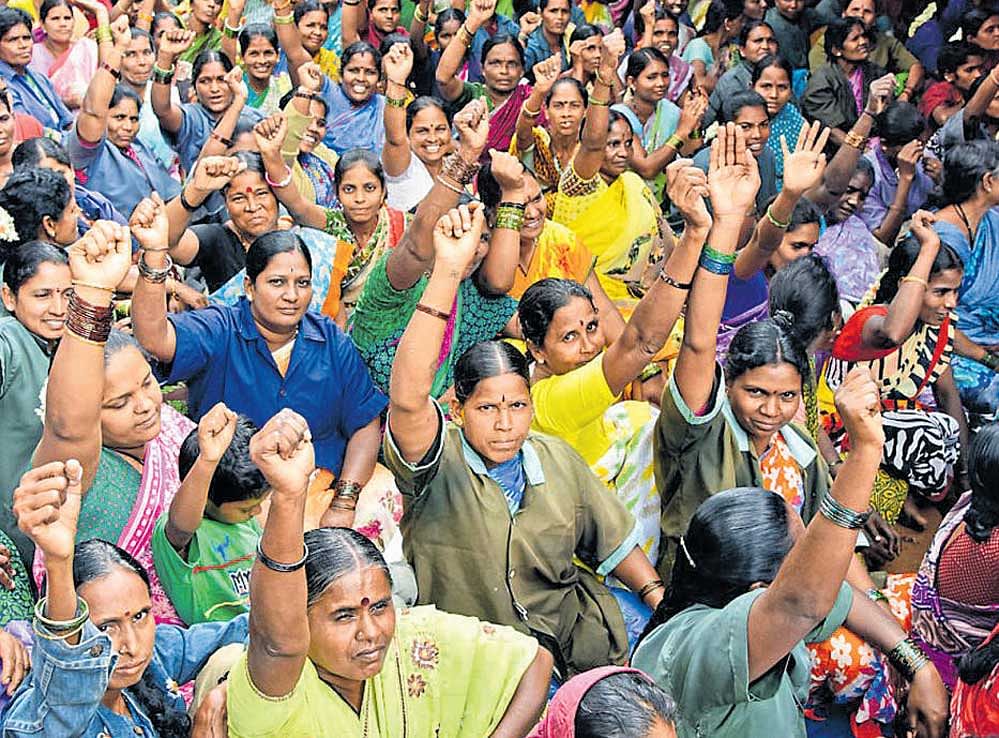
(7, 230)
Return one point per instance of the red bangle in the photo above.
(116, 73)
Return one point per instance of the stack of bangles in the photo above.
(716, 262)
(456, 173)
(283, 15)
(103, 35)
(510, 215)
(650, 587)
(163, 76)
(419, 16)
(57, 630)
(89, 323)
(855, 140)
(230, 32)
(345, 494)
(991, 360)
(151, 274)
(907, 658)
(464, 36)
(839, 514)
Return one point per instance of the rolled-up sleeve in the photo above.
(411, 478)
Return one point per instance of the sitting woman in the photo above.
(902, 335)
(41, 205)
(417, 136)
(31, 92)
(467, 483)
(837, 92)
(585, 45)
(597, 188)
(364, 227)
(502, 68)
(548, 148)
(656, 27)
(329, 654)
(662, 131)
(771, 78)
(36, 285)
(104, 145)
(69, 63)
(722, 429)
(969, 224)
(104, 408)
(95, 638)
(312, 21)
(749, 576)
(955, 600)
(609, 702)
(583, 368)
(265, 353)
(220, 95)
(710, 54)
(258, 47)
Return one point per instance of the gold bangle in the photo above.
(915, 280)
(600, 103)
(855, 140)
(418, 15)
(528, 112)
(285, 20)
(91, 285)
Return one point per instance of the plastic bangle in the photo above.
(185, 203)
(277, 565)
(283, 183)
(345, 489)
(675, 141)
(908, 658)
(652, 369)
(396, 102)
(600, 103)
(721, 268)
(284, 20)
(510, 204)
(230, 32)
(418, 15)
(61, 626)
(116, 73)
(163, 76)
(528, 112)
(914, 280)
(103, 35)
(717, 255)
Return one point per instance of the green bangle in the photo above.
(163, 76)
(652, 369)
(509, 217)
(675, 141)
(991, 360)
(777, 223)
(716, 255)
(62, 626)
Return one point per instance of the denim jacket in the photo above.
(62, 695)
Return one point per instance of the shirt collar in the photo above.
(533, 470)
(308, 327)
(800, 449)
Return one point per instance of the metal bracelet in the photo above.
(277, 565)
(839, 514)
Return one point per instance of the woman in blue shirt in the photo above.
(266, 353)
(32, 93)
(101, 666)
(104, 145)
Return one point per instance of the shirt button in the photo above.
(282, 392)
(96, 651)
(137, 730)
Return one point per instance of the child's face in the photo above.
(233, 513)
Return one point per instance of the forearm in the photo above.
(905, 307)
(873, 623)
(178, 216)
(529, 700)
(766, 237)
(188, 506)
(496, 273)
(61, 593)
(887, 232)
(362, 453)
(291, 41)
(304, 212)
(525, 123)
(979, 102)
(451, 60)
(707, 298)
(170, 117)
(214, 146)
(844, 162)
(352, 19)
(593, 139)
(149, 312)
(964, 346)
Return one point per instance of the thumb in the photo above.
(158, 201)
(74, 477)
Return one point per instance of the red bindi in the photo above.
(365, 602)
(249, 190)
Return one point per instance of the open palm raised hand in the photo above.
(804, 168)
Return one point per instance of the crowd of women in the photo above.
(499, 368)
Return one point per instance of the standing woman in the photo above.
(36, 286)
(662, 130)
(258, 47)
(264, 354)
(364, 227)
(969, 224)
(502, 69)
(578, 357)
(772, 80)
(482, 527)
(417, 136)
(103, 407)
(31, 92)
(597, 188)
(104, 146)
(70, 64)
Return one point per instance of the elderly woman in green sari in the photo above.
(330, 655)
(495, 515)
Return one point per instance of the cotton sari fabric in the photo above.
(444, 675)
(543, 161)
(852, 255)
(352, 126)
(558, 253)
(503, 119)
(352, 264)
(123, 504)
(71, 71)
(787, 124)
(210, 40)
(624, 252)
(315, 172)
(947, 629)
(560, 718)
(978, 307)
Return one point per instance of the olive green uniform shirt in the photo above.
(697, 456)
(701, 657)
(473, 557)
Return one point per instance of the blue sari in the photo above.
(977, 308)
(351, 126)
